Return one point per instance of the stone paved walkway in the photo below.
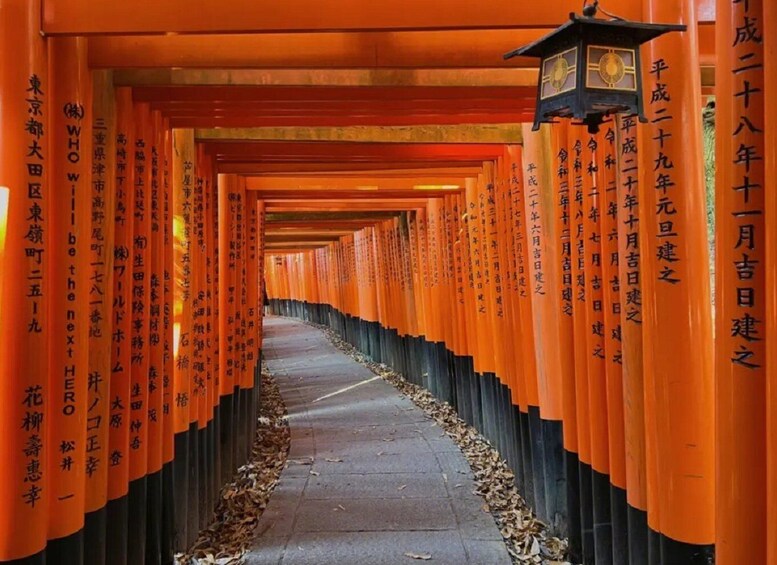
(370, 477)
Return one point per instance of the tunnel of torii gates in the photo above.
(159, 161)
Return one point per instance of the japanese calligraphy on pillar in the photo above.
(607, 164)
(563, 210)
(121, 318)
(101, 284)
(746, 198)
(141, 278)
(665, 246)
(628, 202)
(34, 396)
(69, 273)
(534, 225)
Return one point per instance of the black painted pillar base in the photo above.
(168, 513)
(66, 550)
(117, 532)
(538, 462)
(137, 520)
(193, 494)
(675, 552)
(95, 542)
(180, 468)
(587, 512)
(620, 526)
(154, 519)
(517, 466)
(574, 529)
(526, 456)
(555, 477)
(602, 518)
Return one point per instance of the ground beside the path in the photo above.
(370, 478)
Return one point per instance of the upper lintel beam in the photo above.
(87, 17)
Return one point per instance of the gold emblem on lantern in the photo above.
(611, 68)
(558, 73)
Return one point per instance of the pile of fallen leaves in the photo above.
(526, 536)
(242, 501)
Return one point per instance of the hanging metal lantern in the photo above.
(590, 68)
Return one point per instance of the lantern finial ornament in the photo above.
(590, 67)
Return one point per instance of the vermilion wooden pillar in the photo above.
(580, 330)
(121, 319)
(676, 290)
(181, 205)
(103, 202)
(168, 317)
(542, 222)
(156, 369)
(562, 190)
(607, 162)
(770, 204)
(740, 293)
(631, 334)
(68, 276)
(24, 324)
(140, 361)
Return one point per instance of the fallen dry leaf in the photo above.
(334, 460)
(401, 487)
(421, 556)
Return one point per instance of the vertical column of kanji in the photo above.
(597, 381)
(608, 217)
(103, 194)
(522, 316)
(24, 240)
(565, 291)
(168, 325)
(182, 195)
(121, 328)
(226, 184)
(155, 340)
(542, 226)
(423, 280)
(676, 285)
(581, 329)
(770, 203)
(139, 336)
(740, 239)
(68, 276)
(631, 333)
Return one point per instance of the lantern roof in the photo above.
(584, 26)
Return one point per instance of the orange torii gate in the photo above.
(554, 289)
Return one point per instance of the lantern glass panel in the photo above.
(559, 73)
(611, 68)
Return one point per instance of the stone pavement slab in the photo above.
(370, 478)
